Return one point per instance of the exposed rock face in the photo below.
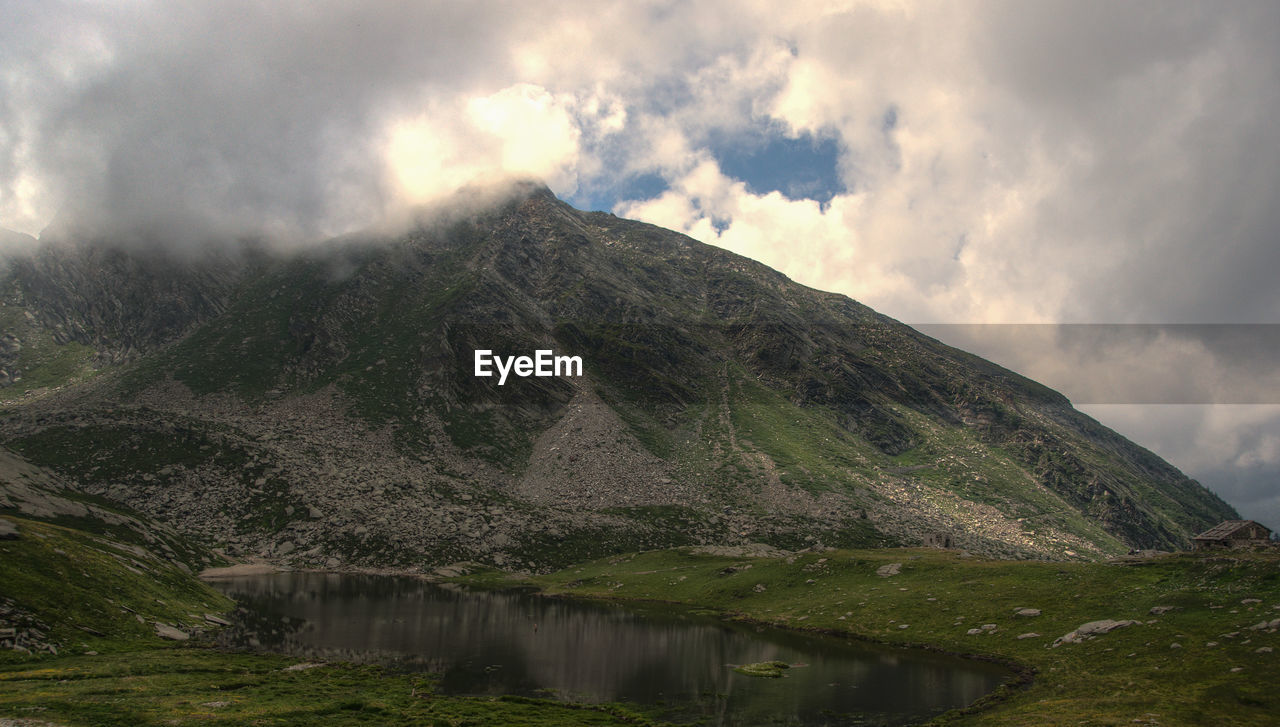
(326, 412)
(122, 301)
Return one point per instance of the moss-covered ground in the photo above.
(1197, 664)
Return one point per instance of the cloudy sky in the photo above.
(1016, 162)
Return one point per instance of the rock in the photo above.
(1237, 669)
(759, 588)
(8, 531)
(216, 620)
(1175, 645)
(1260, 626)
(1027, 612)
(1091, 630)
(285, 548)
(974, 632)
(1032, 635)
(1248, 601)
(1263, 650)
(1160, 610)
(892, 569)
(165, 631)
(989, 627)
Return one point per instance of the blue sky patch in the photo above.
(639, 186)
(769, 161)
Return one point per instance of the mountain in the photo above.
(320, 407)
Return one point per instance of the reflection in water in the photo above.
(519, 643)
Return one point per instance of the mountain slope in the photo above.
(322, 407)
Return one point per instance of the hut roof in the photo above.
(1226, 528)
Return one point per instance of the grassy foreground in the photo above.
(112, 669)
(1199, 663)
(192, 685)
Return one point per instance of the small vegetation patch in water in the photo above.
(767, 669)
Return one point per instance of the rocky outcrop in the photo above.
(122, 300)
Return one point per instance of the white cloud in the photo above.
(536, 133)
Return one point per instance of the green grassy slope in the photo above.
(90, 592)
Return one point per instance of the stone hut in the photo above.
(939, 540)
(1233, 534)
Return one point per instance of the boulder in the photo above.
(1027, 612)
(889, 570)
(1091, 630)
(8, 531)
(165, 631)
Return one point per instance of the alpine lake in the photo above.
(670, 660)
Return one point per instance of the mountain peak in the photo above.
(717, 402)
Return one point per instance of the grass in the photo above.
(194, 685)
(1129, 674)
(73, 580)
(766, 669)
(96, 594)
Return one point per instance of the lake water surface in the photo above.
(485, 643)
